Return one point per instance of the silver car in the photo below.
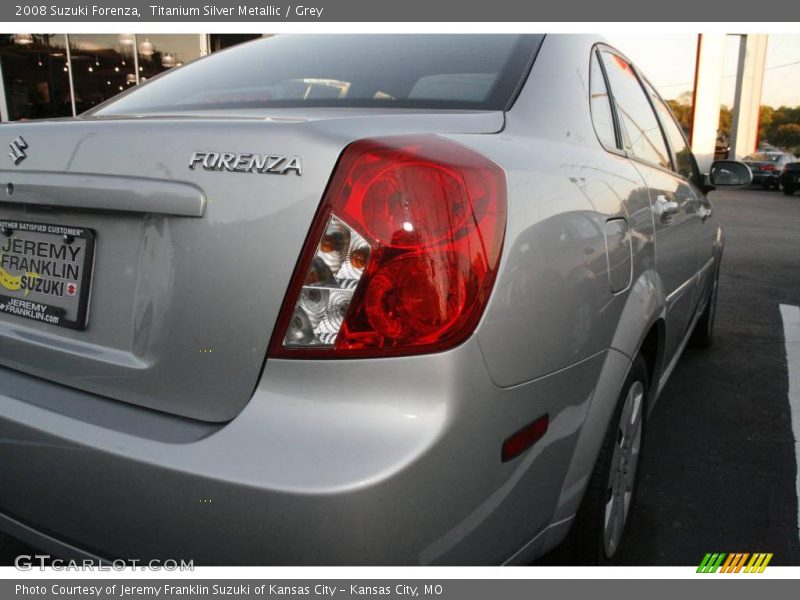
(349, 299)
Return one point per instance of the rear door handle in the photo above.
(665, 207)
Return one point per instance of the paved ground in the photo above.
(719, 463)
(718, 473)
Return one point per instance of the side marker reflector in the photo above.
(524, 438)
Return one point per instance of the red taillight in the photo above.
(768, 168)
(402, 255)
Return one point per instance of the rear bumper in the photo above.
(765, 179)
(394, 461)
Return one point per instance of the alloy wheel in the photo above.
(624, 462)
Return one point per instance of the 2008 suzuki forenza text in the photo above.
(349, 299)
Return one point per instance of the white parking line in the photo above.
(791, 335)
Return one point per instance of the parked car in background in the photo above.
(419, 315)
(767, 167)
(790, 178)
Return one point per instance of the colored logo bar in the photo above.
(735, 562)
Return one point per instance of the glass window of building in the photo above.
(102, 66)
(35, 75)
(220, 41)
(161, 52)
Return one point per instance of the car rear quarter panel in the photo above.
(553, 305)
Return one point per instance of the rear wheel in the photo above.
(601, 523)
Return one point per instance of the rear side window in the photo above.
(685, 164)
(642, 134)
(601, 106)
(383, 71)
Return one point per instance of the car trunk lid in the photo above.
(190, 265)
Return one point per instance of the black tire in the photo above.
(703, 334)
(587, 537)
(787, 191)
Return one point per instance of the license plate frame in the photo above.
(55, 311)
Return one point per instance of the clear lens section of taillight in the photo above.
(327, 291)
(403, 253)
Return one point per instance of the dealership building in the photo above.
(58, 75)
(63, 75)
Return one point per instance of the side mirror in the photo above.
(729, 173)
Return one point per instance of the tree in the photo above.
(685, 97)
(775, 120)
(786, 136)
(765, 117)
(725, 121)
(776, 126)
(682, 112)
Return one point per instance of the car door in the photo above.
(685, 166)
(676, 219)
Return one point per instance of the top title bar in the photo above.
(406, 11)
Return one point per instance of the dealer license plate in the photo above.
(46, 272)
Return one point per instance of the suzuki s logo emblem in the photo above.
(18, 147)
(278, 164)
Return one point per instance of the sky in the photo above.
(670, 63)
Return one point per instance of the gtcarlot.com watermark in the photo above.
(28, 562)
